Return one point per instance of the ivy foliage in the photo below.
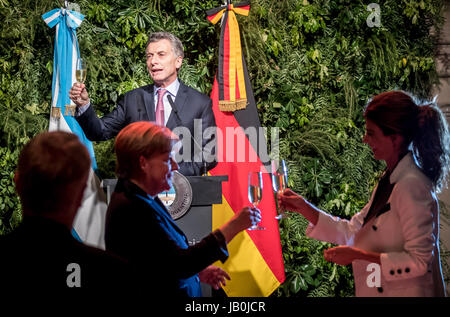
(319, 62)
(313, 64)
(10, 210)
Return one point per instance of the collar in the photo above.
(172, 88)
(131, 189)
(403, 166)
(128, 187)
(44, 228)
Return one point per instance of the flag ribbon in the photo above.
(230, 76)
(73, 19)
(65, 55)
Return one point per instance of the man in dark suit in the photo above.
(191, 116)
(41, 253)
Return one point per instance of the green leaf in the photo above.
(49, 67)
(277, 105)
(295, 285)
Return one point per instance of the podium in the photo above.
(196, 223)
(206, 191)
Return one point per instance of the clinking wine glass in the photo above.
(80, 76)
(279, 182)
(81, 72)
(255, 188)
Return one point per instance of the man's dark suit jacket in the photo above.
(36, 255)
(138, 105)
(146, 235)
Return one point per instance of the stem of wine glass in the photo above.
(79, 99)
(256, 226)
(280, 213)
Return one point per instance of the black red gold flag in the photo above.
(230, 75)
(255, 263)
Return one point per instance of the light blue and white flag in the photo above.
(90, 219)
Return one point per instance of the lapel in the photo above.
(166, 220)
(162, 212)
(132, 191)
(380, 200)
(180, 102)
(149, 102)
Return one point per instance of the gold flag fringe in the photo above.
(233, 105)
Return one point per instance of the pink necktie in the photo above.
(160, 107)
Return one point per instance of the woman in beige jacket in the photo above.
(393, 242)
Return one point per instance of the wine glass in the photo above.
(279, 182)
(255, 188)
(81, 71)
(80, 76)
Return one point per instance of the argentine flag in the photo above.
(89, 222)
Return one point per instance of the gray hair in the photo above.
(177, 46)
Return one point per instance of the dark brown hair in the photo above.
(48, 166)
(424, 127)
(137, 139)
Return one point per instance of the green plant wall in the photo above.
(313, 67)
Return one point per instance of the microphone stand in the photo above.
(177, 116)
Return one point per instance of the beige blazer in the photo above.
(406, 236)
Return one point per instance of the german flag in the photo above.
(232, 90)
(255, 265)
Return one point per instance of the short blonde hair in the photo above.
(138, 139)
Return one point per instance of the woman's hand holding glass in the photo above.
(255, 191)
(247, 217)
(292, 201)
(289, 200)
(279, 183)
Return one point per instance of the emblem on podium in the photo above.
(178, 198)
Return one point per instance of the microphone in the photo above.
(177, 116)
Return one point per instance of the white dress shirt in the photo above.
(172, 89)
